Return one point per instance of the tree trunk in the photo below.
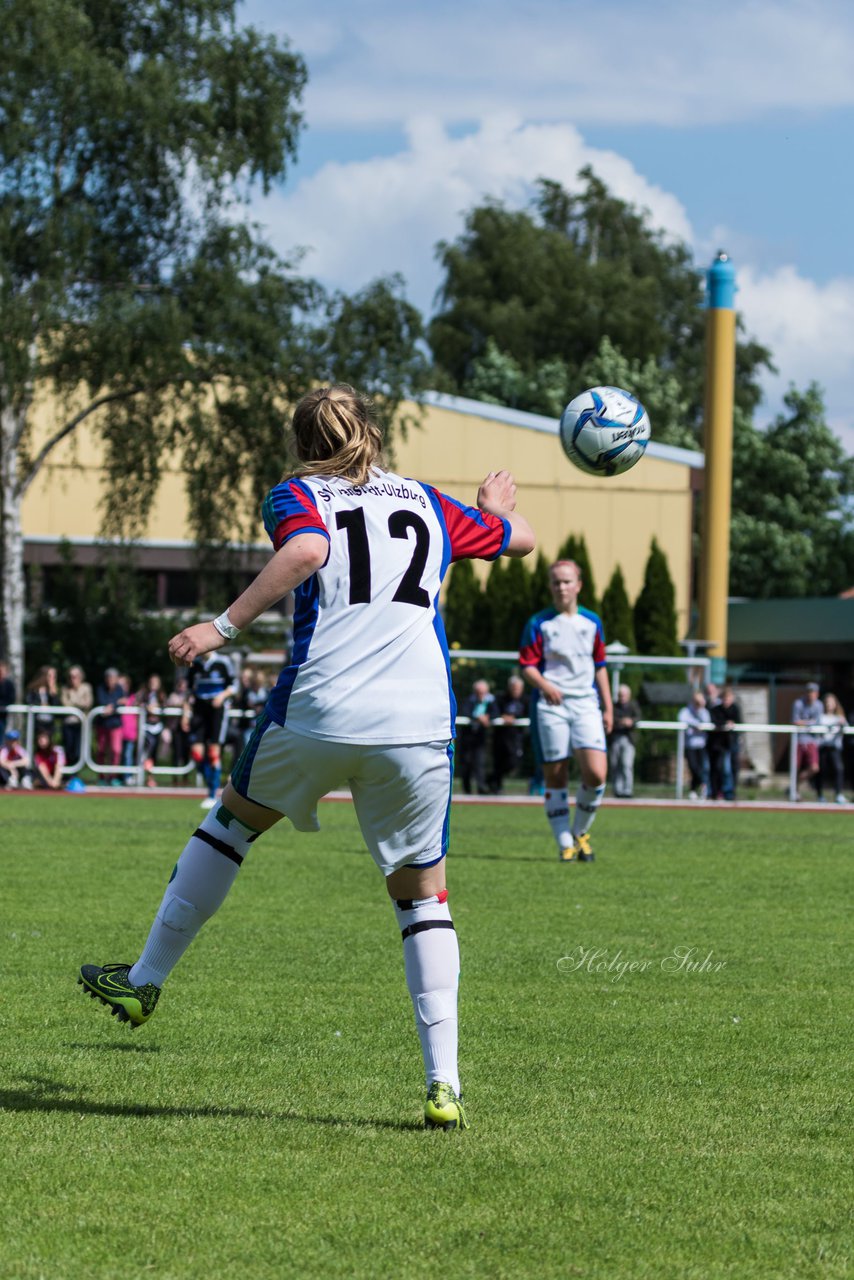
(12, 552)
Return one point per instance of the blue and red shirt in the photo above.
(370, 661)
(567, 648)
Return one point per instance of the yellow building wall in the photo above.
(618, 516)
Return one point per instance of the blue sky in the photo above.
(733, 123)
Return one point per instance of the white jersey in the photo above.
(566, 648)
(369, 660)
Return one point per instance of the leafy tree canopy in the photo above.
(793, 505)
(528, 298)
(131, 282)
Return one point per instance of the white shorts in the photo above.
(401, 793)
(574, 725)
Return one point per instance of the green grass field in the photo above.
(655, 1123)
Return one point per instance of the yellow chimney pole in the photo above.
(717, 484)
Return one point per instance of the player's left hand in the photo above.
(607, 719)
(194, 641)
(497, 494)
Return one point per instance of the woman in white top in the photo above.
(831, 749)
(365, 700)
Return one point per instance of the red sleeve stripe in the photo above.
(473, 534)
(531, 654)
(305, 522)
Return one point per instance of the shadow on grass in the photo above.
(42, 1096)
(116, 1048)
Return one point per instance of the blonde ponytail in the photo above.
(334, 434)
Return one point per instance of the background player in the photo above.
(562, 657)
(213, 685)
(366, 699)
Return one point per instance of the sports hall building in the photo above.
(458, 442)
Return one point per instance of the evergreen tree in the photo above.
(655, 608)
(575, 548)
(539, 590)
(463, 606)
(518, 608)
(616, 611)
(494, 611)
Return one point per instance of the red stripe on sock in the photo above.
(442, 896)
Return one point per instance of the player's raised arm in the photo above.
(497, 495)
(297, 560)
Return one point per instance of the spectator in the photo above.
(723, 742)
(213, 683)
(695, 716)
(177, 731)
(77, 693)
(151, 699)
(43, 691)
(128, 704)
(252, 699)
(48, 762)
(806, 714)
(14, 762)
(108, 727)
(622, 744)
(508, 743)
(831, 763)
(734, 719)
(479, 706)
(7, 696)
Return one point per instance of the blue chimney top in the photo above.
(720, 282)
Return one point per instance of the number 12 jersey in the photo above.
(369, 661)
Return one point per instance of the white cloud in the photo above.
(808, 328)
(373, 217)
(375, 62)
(368, 218)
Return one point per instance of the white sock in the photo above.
(199, 885)
(587, 801)
(431, 956)
(557, 812)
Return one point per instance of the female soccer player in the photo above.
(562, 656)
(366, 700)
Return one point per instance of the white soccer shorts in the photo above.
(574, 725)
(401, 793)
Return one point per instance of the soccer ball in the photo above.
(604, 431)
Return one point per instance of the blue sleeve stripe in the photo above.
(446, 541)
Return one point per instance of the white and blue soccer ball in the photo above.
(604, 431)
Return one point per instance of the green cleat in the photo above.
(110, 985)
(444, 1110)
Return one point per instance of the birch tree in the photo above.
(133, 288)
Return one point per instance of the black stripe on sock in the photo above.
(227, 850)
(405, 904)
(426, 924)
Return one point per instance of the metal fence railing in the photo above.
(29, 715)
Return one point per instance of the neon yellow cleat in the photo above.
(444, 1110)
(109, 984)
(582, 849)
